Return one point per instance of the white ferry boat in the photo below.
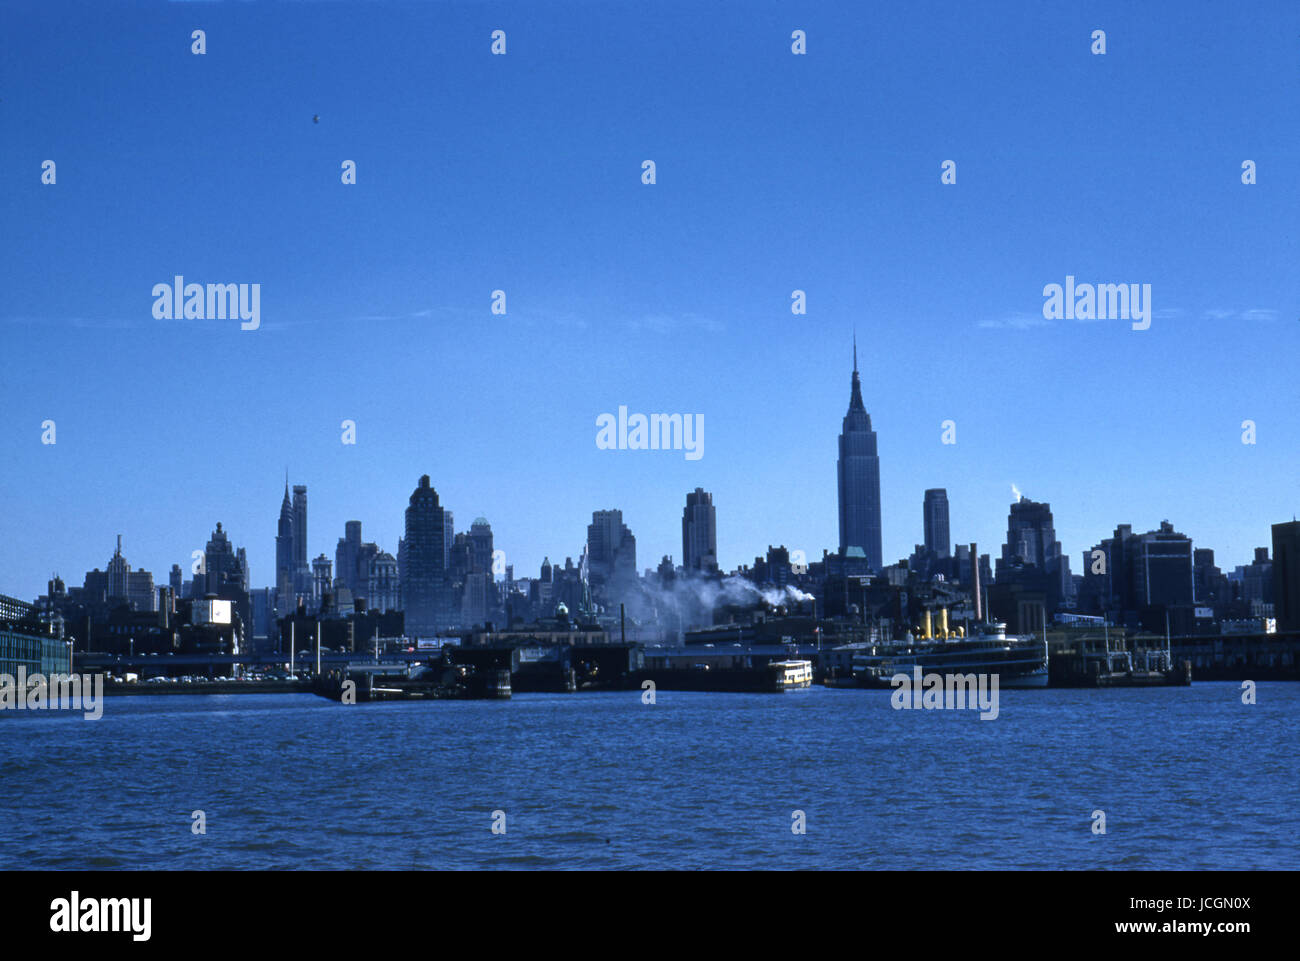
(788, 675)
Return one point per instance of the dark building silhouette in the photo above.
(1210, 585)
(123, 585)
(858, 471)
(611, 548)
(225, 578)
(1255, 581)
(699, 532)
(1031, 561)
(345, 556)
(937, 539)
(284, 562)
(1286, 575)
(1139, 577)
(480, 543)
(302, 572)
(424, 563)
(1162, 568)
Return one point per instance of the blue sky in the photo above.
(775, 172)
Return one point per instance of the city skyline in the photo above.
(293, 514)
(474, 176)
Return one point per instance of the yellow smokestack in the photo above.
(928, 631)
(943, 622)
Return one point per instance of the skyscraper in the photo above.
(859, 479)
(346, 554)
(1286, 575)
(1163, 571)
(284, 563)
(937, 539)
(699, 532)
(480, 539)
(303, 583)
(381, 592)
(1031, 536)
(322, 580)
(424, 563)
(124, 584)
(1031, 557)
(611, 548)
(226, 570)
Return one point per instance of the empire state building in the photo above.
(859, 479)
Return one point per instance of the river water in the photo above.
(1186, 778)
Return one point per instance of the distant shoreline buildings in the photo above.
(443, 583)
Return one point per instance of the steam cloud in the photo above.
(690, 596)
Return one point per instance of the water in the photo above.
(1188, 778)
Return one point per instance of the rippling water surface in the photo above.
(1188, 778)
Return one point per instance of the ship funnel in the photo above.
(927, 631)
(943, 622)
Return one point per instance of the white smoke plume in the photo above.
(695, 597)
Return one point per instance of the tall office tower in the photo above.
(302, 568)
(286, 601)
(382, 585)
(937, 539)
(1162, 570)
(176, 580)
(1155, 569)
(1210, 587)
(121, 584)
(858, 471)
(424, 568)
(345, 557)
(961, 568)
(140, 591)
(1032, 554)
(611, 548)
(322, 579)
(449, 537)
(474, 600)
(366, 553)
(480, 541)
(699, 532)
(1031, 537)
(1286, 575)
(118, 569)
(224, 565)
(778, 565)
(459, 560)
(227, 575)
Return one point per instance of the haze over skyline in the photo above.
(522, 172)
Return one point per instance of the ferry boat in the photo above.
(1019, 661)
(788, 675)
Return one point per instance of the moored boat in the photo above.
(1019, 661)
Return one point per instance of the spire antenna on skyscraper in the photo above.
(858, 470)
